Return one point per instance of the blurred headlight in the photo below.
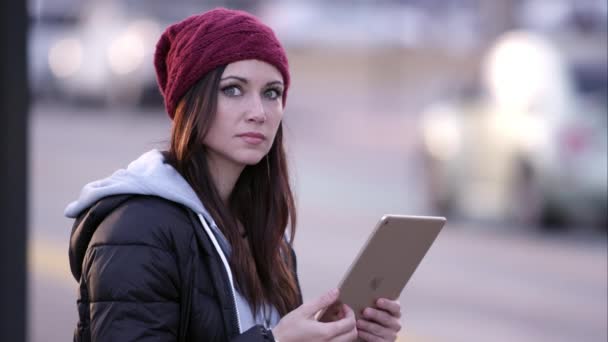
(148, 30)
(126, 53)
(441, 134)
(523, 69)
(65, 57)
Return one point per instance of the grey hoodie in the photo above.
(150, 175)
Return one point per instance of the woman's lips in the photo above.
(252, 138)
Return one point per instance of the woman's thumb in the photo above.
(320, 303)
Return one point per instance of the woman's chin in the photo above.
(250, 160)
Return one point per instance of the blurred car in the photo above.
(534, 151)
(104, 53)
(46, 27)
(106, 57)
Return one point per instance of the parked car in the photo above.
(45, 29)
(534, 151)
(105, 54)
(106, 57)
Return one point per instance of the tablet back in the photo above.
(388, 259)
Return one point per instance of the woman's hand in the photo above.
(380, 323)
(301, 325)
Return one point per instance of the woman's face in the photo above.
(249, 111)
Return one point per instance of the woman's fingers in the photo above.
(391, 306)
(349, 334)
(311, 308)
(368, 337)
(371, 327)
(348, 337)
(332, 313)
(383, 318)
(376, 329)
(344, 326)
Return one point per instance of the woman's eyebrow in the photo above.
(244, 80)
(274, 82)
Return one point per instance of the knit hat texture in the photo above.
(189, 49)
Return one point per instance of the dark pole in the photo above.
(13, 170)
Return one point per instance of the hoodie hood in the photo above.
(147, 175)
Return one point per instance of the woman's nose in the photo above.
(257, 112)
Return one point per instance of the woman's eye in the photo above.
(272, 94)
(232, 91)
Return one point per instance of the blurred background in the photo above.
(492, 113)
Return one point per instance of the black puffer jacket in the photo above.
(148, 272)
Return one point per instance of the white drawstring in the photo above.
(226, 265)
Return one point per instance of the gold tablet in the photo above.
(386, 262)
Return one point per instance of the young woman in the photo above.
(191, 243)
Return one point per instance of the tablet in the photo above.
(386, 262)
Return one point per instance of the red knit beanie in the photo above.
(187, 50)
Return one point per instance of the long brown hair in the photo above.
(261, 201)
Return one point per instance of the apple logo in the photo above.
(376, 282)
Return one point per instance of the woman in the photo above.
(191, 243)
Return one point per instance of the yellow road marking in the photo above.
(49, 260)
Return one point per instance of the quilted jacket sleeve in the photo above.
(132, 277)
(133, 293)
